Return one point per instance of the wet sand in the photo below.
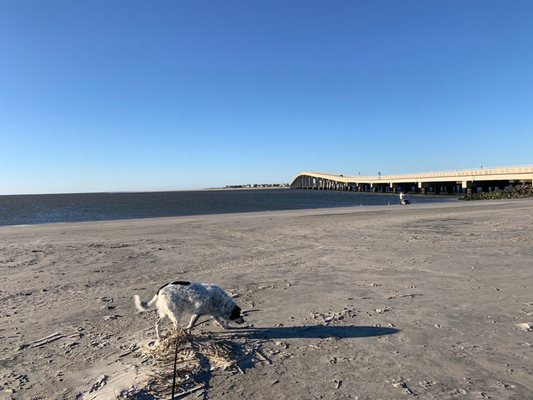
(432, 301)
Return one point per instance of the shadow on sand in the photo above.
(311, 332)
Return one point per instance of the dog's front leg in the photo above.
(222, 323)
(193, 320)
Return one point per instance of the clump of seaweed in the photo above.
(198, 356)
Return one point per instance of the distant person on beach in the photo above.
(403, 199)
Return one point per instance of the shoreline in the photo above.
(430, 299)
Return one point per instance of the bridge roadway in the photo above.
(447, 182)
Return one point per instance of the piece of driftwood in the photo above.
(46, 340)
(188, 392)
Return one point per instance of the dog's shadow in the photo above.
(311, 332)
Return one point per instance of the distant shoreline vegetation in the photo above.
(257, 186)
(518, 192)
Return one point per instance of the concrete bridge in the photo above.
(448, 182)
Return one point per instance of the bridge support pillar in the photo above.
(464, 186)
(423, 187)
(468, 187)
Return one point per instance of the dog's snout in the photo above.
(239, 320)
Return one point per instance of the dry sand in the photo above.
(433, 301)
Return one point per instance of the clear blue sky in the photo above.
(130, 95)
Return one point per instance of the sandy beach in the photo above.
(425, 301)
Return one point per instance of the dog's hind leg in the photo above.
(175, 321)
(193, 320)
(157, 324)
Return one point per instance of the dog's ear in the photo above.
(183, 283)
(236, 313)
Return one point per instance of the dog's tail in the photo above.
(143, 305)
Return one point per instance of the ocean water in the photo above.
(54, 208)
